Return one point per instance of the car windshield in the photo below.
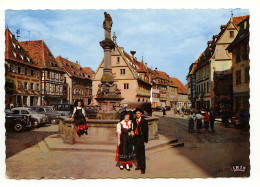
(32, 111)
(48, 109)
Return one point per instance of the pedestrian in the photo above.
(79, 116)
(183, 111)
(124, 153)
(244, 119)
(11, 105)
(164, 111)
(212, 120)
(140, 139)
(225, 118)
(206, 121)
(191, 122)
(199, 118)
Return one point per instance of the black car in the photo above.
(167, 108)
(158, 108)
(18, 123)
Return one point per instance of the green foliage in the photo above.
(9, 86)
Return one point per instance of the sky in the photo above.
(167, 39)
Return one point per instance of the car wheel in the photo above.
(18, 127)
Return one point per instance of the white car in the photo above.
(39, 119)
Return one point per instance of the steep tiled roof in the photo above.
(142, 68)
(72, 68)
(181, 88)
(15, 52)
(41, 54)
(237, 20)
(89, 72)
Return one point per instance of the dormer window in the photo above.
(21, 57)
(245, 24)
(28, 59)
(80, 68)
(14, 45)
(14, 54)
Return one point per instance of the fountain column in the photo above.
(108, 95)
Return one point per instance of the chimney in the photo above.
(155, 69)
(151, 67)
(133, 53)
(145, 64)
(77, 62)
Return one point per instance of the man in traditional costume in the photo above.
(140, 139)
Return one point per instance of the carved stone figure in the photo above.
(107, 25)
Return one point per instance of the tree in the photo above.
(9, 85)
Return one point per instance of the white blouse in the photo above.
(126, 125)
(75, 109)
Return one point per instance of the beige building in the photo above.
(240, 67)
(130, 75)
(79, 82)
(215, 58)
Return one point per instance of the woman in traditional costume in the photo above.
(124, 154)
(79, 116)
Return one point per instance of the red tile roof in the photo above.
(181, 88)
(237, 20)
(40, 53)
(142, 68)
(15, 52)
(72, 68)
(89, 72)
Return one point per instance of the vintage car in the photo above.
(64, 109)
(39, 119)
(48, 111)
(17, 123)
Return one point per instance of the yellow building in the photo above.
(130, 75)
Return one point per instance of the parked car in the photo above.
(17, 123)
(167, 108)
(39, 119)
(64, 109)
(48, 111)
(158, 108)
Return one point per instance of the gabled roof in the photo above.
(15, 52)
(89, 72)
(181, 88)
(72, 68)
(41, 54)
(237, 20)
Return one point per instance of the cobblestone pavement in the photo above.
(204, 155)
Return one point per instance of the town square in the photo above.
(128, 94)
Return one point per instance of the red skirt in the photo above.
(81, 127)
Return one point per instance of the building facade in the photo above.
(215, 58)
(53, 82)
(24, 73)
(79, 82)
(240, 68)
(130, 75)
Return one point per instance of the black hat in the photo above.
(138, 109)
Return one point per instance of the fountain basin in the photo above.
(99, 131)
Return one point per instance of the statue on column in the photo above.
(107, 25)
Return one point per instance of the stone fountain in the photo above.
(103, 130)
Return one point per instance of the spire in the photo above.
(142, 57)
(114, 37)
(231, 18)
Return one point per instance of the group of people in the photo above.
(208, 118)
(132, 137)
